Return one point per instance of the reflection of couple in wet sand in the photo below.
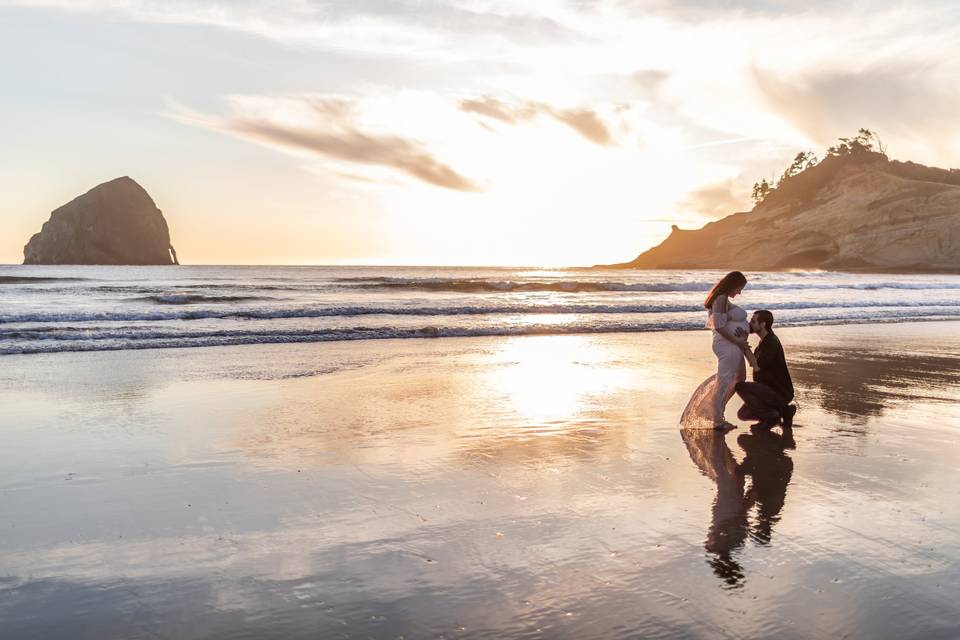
(767, 399)
(769, 469)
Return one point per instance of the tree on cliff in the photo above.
(866, 141)
(760, 191)
(801, 162)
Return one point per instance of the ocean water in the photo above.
(89, 308)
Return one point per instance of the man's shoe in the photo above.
(763, 425)
(788, 414)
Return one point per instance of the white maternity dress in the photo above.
(706, 407)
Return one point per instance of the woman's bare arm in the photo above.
(751, 359)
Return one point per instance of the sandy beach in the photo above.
(532, 486)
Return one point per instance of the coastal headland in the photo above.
(856, 210)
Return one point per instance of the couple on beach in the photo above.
(767, 400)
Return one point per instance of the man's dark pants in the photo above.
(760, 402)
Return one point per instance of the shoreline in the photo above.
(430, 334)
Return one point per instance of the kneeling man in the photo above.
(767, 399)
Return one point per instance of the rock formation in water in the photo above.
(116, 222)
(856, 212)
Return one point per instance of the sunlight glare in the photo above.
(554, 379)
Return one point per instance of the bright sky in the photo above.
(477, 132)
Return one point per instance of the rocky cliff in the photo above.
(860, 212)
(116, 222)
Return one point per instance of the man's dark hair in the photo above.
(765, 318)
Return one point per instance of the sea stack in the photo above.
(115, 223)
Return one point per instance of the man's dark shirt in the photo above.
(773, 367)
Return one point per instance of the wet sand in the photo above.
(479, 487)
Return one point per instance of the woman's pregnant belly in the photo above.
(741, 329)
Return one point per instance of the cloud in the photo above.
(498, 110)
(584, 121)
(327, 127)
(905, 102)
(356, 146)
(648, 79)
(716, 200)
(689, 70)
(450, 29)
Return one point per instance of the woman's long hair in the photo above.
(727, 283)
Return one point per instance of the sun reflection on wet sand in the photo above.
(554, 381)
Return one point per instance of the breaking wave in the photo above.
(274, 313)
(485, 285)
(48, 340)
(196, 298)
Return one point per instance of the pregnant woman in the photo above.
(730, 331)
